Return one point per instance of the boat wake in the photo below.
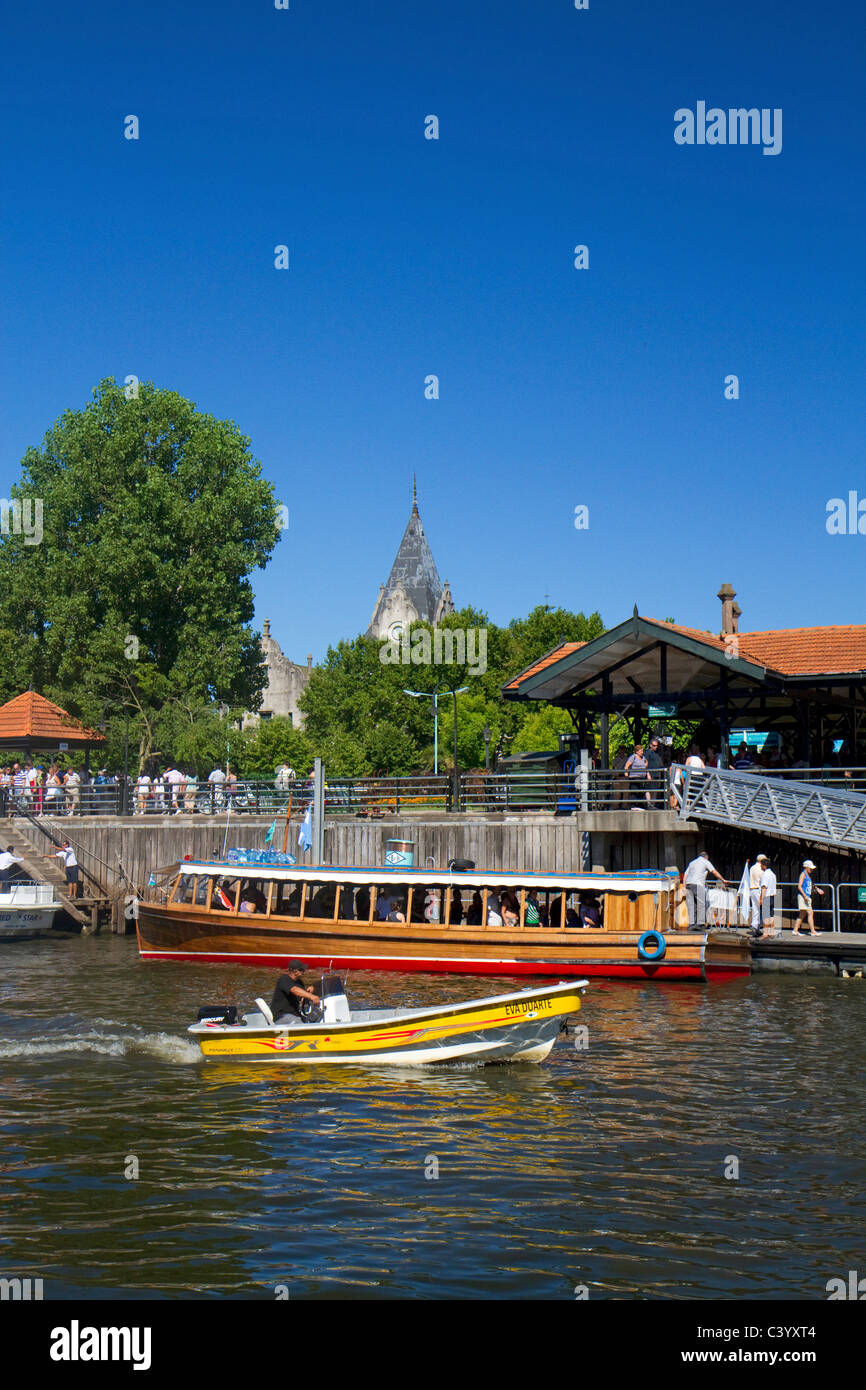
(162, 1047)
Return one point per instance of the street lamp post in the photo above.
(486, 736)
(456, 794)
(427, 694)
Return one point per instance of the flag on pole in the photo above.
(744, 897)
(269, 838)
(305, 834)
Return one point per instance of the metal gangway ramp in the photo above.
(777, 805)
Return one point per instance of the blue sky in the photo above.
(558, 387)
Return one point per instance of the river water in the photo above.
(603, 1169)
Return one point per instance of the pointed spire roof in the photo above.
(414, 570)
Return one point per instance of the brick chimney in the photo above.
(730, 610)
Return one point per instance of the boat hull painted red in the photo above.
(556, 969)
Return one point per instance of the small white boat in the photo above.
(27, 910)
(517, 1027)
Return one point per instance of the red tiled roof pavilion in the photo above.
(30, 721)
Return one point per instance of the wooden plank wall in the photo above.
(144, 844)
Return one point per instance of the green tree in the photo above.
(138, 597)
(360, 721)
(275, 741)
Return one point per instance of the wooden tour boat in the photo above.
(260, 914)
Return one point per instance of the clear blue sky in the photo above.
(408, 256)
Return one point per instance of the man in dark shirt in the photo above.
(290, 991)
(656, 765)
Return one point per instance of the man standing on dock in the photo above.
(695, 883)
(755, 875)
(70, 864)
(7, 859)
(767, 899)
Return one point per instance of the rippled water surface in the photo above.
(603, 1167)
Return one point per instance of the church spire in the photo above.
(414, 590)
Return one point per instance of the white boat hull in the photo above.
(27, 910)
(20, 923)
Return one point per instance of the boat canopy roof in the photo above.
(636, 881)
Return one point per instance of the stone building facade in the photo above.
(286, 681)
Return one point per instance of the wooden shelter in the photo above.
(29, 722)
(807, 684)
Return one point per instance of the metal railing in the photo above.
(801, 810)
(808, 799)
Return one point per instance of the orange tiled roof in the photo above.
(31, 716)
(697, 636)
(808, 651)
(564, 649)
(789, 651)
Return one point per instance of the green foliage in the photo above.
(540, 731)
(360, 721)
(138, 597)
(275, 741)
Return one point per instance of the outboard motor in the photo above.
(218, 1013)
(332, 993)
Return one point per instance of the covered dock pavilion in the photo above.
(30, 722)
(807, 684)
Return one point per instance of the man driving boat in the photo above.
(289, 992)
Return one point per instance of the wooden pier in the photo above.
(839, 953)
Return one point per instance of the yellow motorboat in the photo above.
(517, 1027)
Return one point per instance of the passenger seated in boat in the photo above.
(291, 904)
(252, 898)
(494, 909)
(384, 906)
(476, 907)
(347, 903)
(398, 911)
(510, 909)
(571, 918)
(456, 907)
(589, 911)
(418, 903)
(290, 991)
(323, 901)
(362, 904)
(555, 912)
(222, 898)
(431, 906)
(532, 916)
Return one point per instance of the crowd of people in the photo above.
(647, 775)
(763, 887)
(38, 790)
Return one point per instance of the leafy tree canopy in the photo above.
(138, 597)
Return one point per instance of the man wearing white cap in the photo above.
(767, 900)
(804, 899)
(755, 873)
